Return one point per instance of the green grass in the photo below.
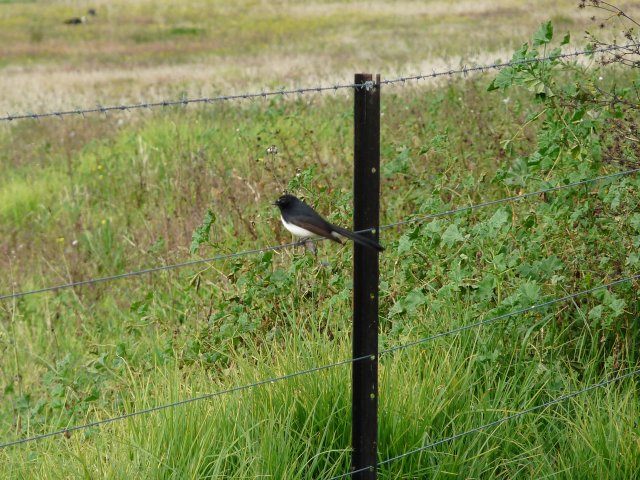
(90, 197)
(73, 357)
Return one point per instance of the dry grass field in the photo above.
(152, 50)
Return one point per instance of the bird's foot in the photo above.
(311, 246)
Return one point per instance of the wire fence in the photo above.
(324, 367)
(228, 256)
(415, 219)
(306, 90)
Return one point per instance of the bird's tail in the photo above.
(358, 238)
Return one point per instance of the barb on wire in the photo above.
(303, 372)
(120, 276)
(180, 102)
(495, 423)
(465, 70)
(318, 89)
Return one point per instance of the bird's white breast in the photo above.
(297, 231)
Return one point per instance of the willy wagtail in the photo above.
(303, 221)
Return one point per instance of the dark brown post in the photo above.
(366, 214)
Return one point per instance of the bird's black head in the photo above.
(285, 200)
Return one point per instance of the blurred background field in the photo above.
(151, 50)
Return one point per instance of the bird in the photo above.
(76, 20)
(303, 221)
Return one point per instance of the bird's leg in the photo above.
(311, 246)
(300, 243)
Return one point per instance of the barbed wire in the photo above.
(495, 423)
(185, 101)
(228, 256)
(311, 370)
(497, 66)
(305, 90)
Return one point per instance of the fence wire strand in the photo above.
(184, 101)
(306, 90)
(507, 199)
(229, 256)
(495, 423)
(161, 268)
(497, 66)
(311, 370)
(178, 403)
(538, 306)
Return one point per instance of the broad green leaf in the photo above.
(409, 303)
(617, 306)
(279, 276)
(405, 244)
(530, 293)
(543, 35)
(503, 80)
(452, 235)
(413, 300)
(486, 287)
(201, 233)
(499, 219)
(596, 312)
(521, 53)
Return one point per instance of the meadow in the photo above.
(85, 197)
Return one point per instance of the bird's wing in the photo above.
(316, 224)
